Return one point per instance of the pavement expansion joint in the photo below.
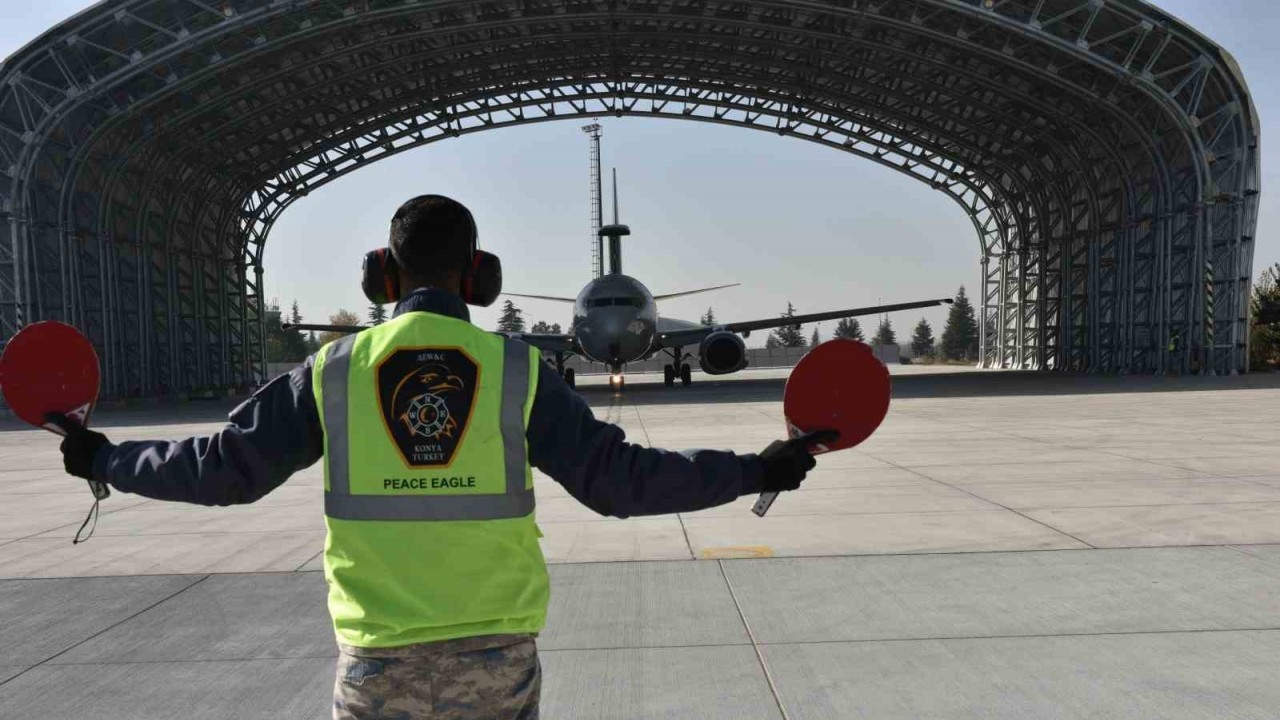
(988, 500)
(107, 629)
(755, 646)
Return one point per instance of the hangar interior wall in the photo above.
(1106, 153)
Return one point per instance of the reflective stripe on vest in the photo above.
(339, 503)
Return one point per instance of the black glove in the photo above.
(786, 463)
(79, 447)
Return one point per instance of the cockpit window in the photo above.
(615, 301)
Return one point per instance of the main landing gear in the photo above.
(566, 373)
(677, 369)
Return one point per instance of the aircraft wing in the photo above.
(678, 338)
(547, 342)
(552, 298)
(668, 296)
(306, 327)
(550, 343)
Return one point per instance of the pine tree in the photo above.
(377, 314)
(293, 346)
(709, 318)
(790, 335)
(850, 329)
(512, 319)
(275, 335)
(540, 328)
(885, 334)
(922, 341)
(771, 343)
(1264, 336)
(1266, 297)
(960, 336)
(342, 317)
(816, 339)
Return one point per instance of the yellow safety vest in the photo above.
(428, 492)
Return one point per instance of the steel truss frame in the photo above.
(1106, 153)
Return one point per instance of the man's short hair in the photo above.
(432, 236)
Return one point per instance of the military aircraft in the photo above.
(616, 322)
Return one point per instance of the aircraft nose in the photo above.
(613, 322)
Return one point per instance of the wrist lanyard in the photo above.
(99, 491)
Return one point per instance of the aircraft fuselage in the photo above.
(615, 320)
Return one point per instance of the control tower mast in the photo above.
(597, 252)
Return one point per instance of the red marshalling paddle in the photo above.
(839, 385)
(49, 367)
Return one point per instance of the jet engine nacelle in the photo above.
(722, 353)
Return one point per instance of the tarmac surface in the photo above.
(1008, 545)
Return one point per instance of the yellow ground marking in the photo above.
(737, 551)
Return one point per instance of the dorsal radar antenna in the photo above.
(614, 231)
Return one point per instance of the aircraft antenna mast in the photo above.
(597, 213)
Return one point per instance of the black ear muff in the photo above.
(482, 280)
(380, 277)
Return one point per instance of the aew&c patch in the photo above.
(426, 396)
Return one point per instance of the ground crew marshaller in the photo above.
(428, 427)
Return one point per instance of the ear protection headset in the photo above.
(481, 276)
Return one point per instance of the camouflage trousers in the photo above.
(494, 677)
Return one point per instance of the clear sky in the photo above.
(790, 220)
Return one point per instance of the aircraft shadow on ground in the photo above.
(938, 385)
(747, 389)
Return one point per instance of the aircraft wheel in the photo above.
(686, 375)
(668, 375)
(568, 378)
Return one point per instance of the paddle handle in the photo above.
(763, 503)
(816, 441)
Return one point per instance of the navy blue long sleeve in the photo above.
(277, 432)
(269, 437)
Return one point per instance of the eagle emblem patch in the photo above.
(426, 396)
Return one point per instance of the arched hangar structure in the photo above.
(1106, 152)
